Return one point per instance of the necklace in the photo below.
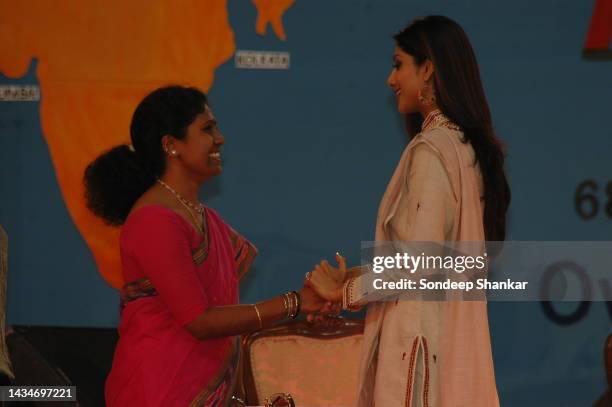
(190, 206)
(436, 118)
(199, 207)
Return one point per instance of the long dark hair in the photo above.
(118, 177)
(460, 96)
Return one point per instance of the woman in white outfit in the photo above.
(449, 185)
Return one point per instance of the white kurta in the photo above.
(425, 353)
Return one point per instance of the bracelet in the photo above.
(292, 296)
(347, 294)
(287, 299)
(258, 316)
(298, 303)
(286, 305)
(287, 296)
(348, 302)
(295, 305)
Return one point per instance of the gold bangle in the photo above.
(285, 304)
(258, 316)
(289, 305)
(294, 304)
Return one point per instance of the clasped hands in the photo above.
(327, 282)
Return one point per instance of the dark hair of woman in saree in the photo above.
(118, 177)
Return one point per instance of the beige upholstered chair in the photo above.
(316, 365)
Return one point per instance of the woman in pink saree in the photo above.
(180, 311)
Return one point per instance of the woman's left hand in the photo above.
(327, 280)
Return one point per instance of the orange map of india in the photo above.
(96, 60)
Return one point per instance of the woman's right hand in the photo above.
(327, 280)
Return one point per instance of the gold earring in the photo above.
(426, 100)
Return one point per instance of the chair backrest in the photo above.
(30, 366)
(318, 365)
(5, 362)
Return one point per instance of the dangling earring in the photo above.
(426, 100)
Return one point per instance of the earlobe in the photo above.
(167, 146)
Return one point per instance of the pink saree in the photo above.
(174, 276)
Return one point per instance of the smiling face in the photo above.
(199, 152)
(406, 79)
